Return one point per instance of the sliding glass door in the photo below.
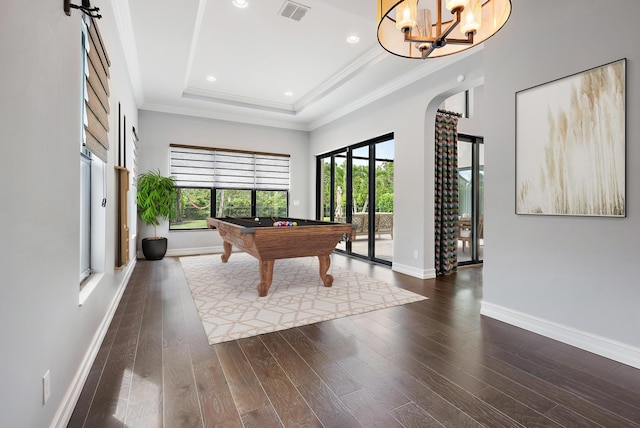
(331, 189)
(383, 221)
(355, 185)
(470, 199)
(360, 212)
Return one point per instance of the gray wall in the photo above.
(42, 325)
(572, 278)
(159, 130)
(575, 279)
(410, 114)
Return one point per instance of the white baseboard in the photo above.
(411, 271)
(599, 345)
(63, 415)
(189, 251)
(195, 251)
(408, 270)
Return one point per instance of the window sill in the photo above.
(88, 287)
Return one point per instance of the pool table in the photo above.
(259, 237)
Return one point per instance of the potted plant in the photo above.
(154, 198)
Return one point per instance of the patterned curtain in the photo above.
(446, 193)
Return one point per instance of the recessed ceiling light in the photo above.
(211, 78)
(353, 38)
(240, 3)
(288, 94)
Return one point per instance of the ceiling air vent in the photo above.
(293, 10)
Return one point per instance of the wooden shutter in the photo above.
(96, 120)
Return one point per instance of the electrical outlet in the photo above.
(46, 387)
(415, 254)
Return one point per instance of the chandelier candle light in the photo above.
(407, 29)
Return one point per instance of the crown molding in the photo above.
(369, 59)
(239, 101)
(229, 117)
(428, 68)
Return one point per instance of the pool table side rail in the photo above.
(271, 243)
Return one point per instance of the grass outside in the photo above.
(189, 224)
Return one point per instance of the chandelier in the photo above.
(432, 31)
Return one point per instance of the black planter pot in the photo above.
(154, 248)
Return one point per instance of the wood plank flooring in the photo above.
(435, 363)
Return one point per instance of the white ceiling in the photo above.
(256, 56)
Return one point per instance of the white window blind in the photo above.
(134, 169)
(192, 167)
(204, 167)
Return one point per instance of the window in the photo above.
(134, 168)
(272, 203)
(234, 203)
(94, 142)
(251, 203)
(459, 103)
(218, 182)
(85, 214)
(191, 208)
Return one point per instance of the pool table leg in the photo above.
(266, 276)
(325, 262)
(227, 251)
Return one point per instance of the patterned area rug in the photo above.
(226, 297)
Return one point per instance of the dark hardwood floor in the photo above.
(433, 363)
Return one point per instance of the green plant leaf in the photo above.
(155, 194)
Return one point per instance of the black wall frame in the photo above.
(349, 191)
(475, 142)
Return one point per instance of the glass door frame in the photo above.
(349, 192)
(475, 142)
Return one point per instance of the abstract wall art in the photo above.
(570, 145)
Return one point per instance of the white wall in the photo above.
(159, 130)
(474, 125)
(410, 114)
(571, 278)
(42, 326)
